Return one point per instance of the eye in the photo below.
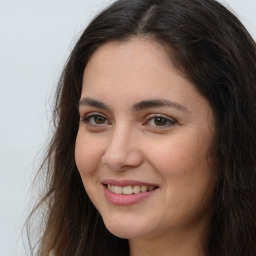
(160, 121)
(95, 119)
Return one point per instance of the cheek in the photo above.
(88, 155)
(178, 155)
(187, 177)
(184, 164)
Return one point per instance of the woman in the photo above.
(154, 145)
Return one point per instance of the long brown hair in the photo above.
(214, 51)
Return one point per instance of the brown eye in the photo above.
(160, 121)
(95, 119)
(99, 119)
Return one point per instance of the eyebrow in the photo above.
(145, 104)
(93, 103)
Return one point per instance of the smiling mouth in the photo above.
(129, 190)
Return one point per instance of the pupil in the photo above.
(99, 119)
(160, 121)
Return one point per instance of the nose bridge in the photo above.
(122, 149)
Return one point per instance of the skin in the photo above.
(123, 143)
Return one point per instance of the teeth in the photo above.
(118, 190)
(136, 189)
(128, 190)
(143, 188)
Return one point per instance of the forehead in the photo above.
(131, 54)
(135, 62)
(134, 45)
(122, 73)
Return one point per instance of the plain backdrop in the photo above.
(36, 37)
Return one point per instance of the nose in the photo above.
(122, 151)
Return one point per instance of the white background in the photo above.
(36, 37)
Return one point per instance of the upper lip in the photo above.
(124, 183)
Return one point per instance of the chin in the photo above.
(128, 229)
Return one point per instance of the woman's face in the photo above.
(143, 144)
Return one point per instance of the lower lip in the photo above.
(125, 200)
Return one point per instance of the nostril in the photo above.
(118, 160)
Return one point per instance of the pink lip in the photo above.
(126, 200)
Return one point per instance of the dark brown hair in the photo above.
(211, 47)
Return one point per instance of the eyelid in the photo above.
(85, 118)
(171, 121)
(93, 113)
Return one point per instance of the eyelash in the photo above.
(87, 118)
(152, 117)
(168, 121)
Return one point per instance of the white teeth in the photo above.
(136, 189)
(118, 190)
(143, 188)
(128, 190)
